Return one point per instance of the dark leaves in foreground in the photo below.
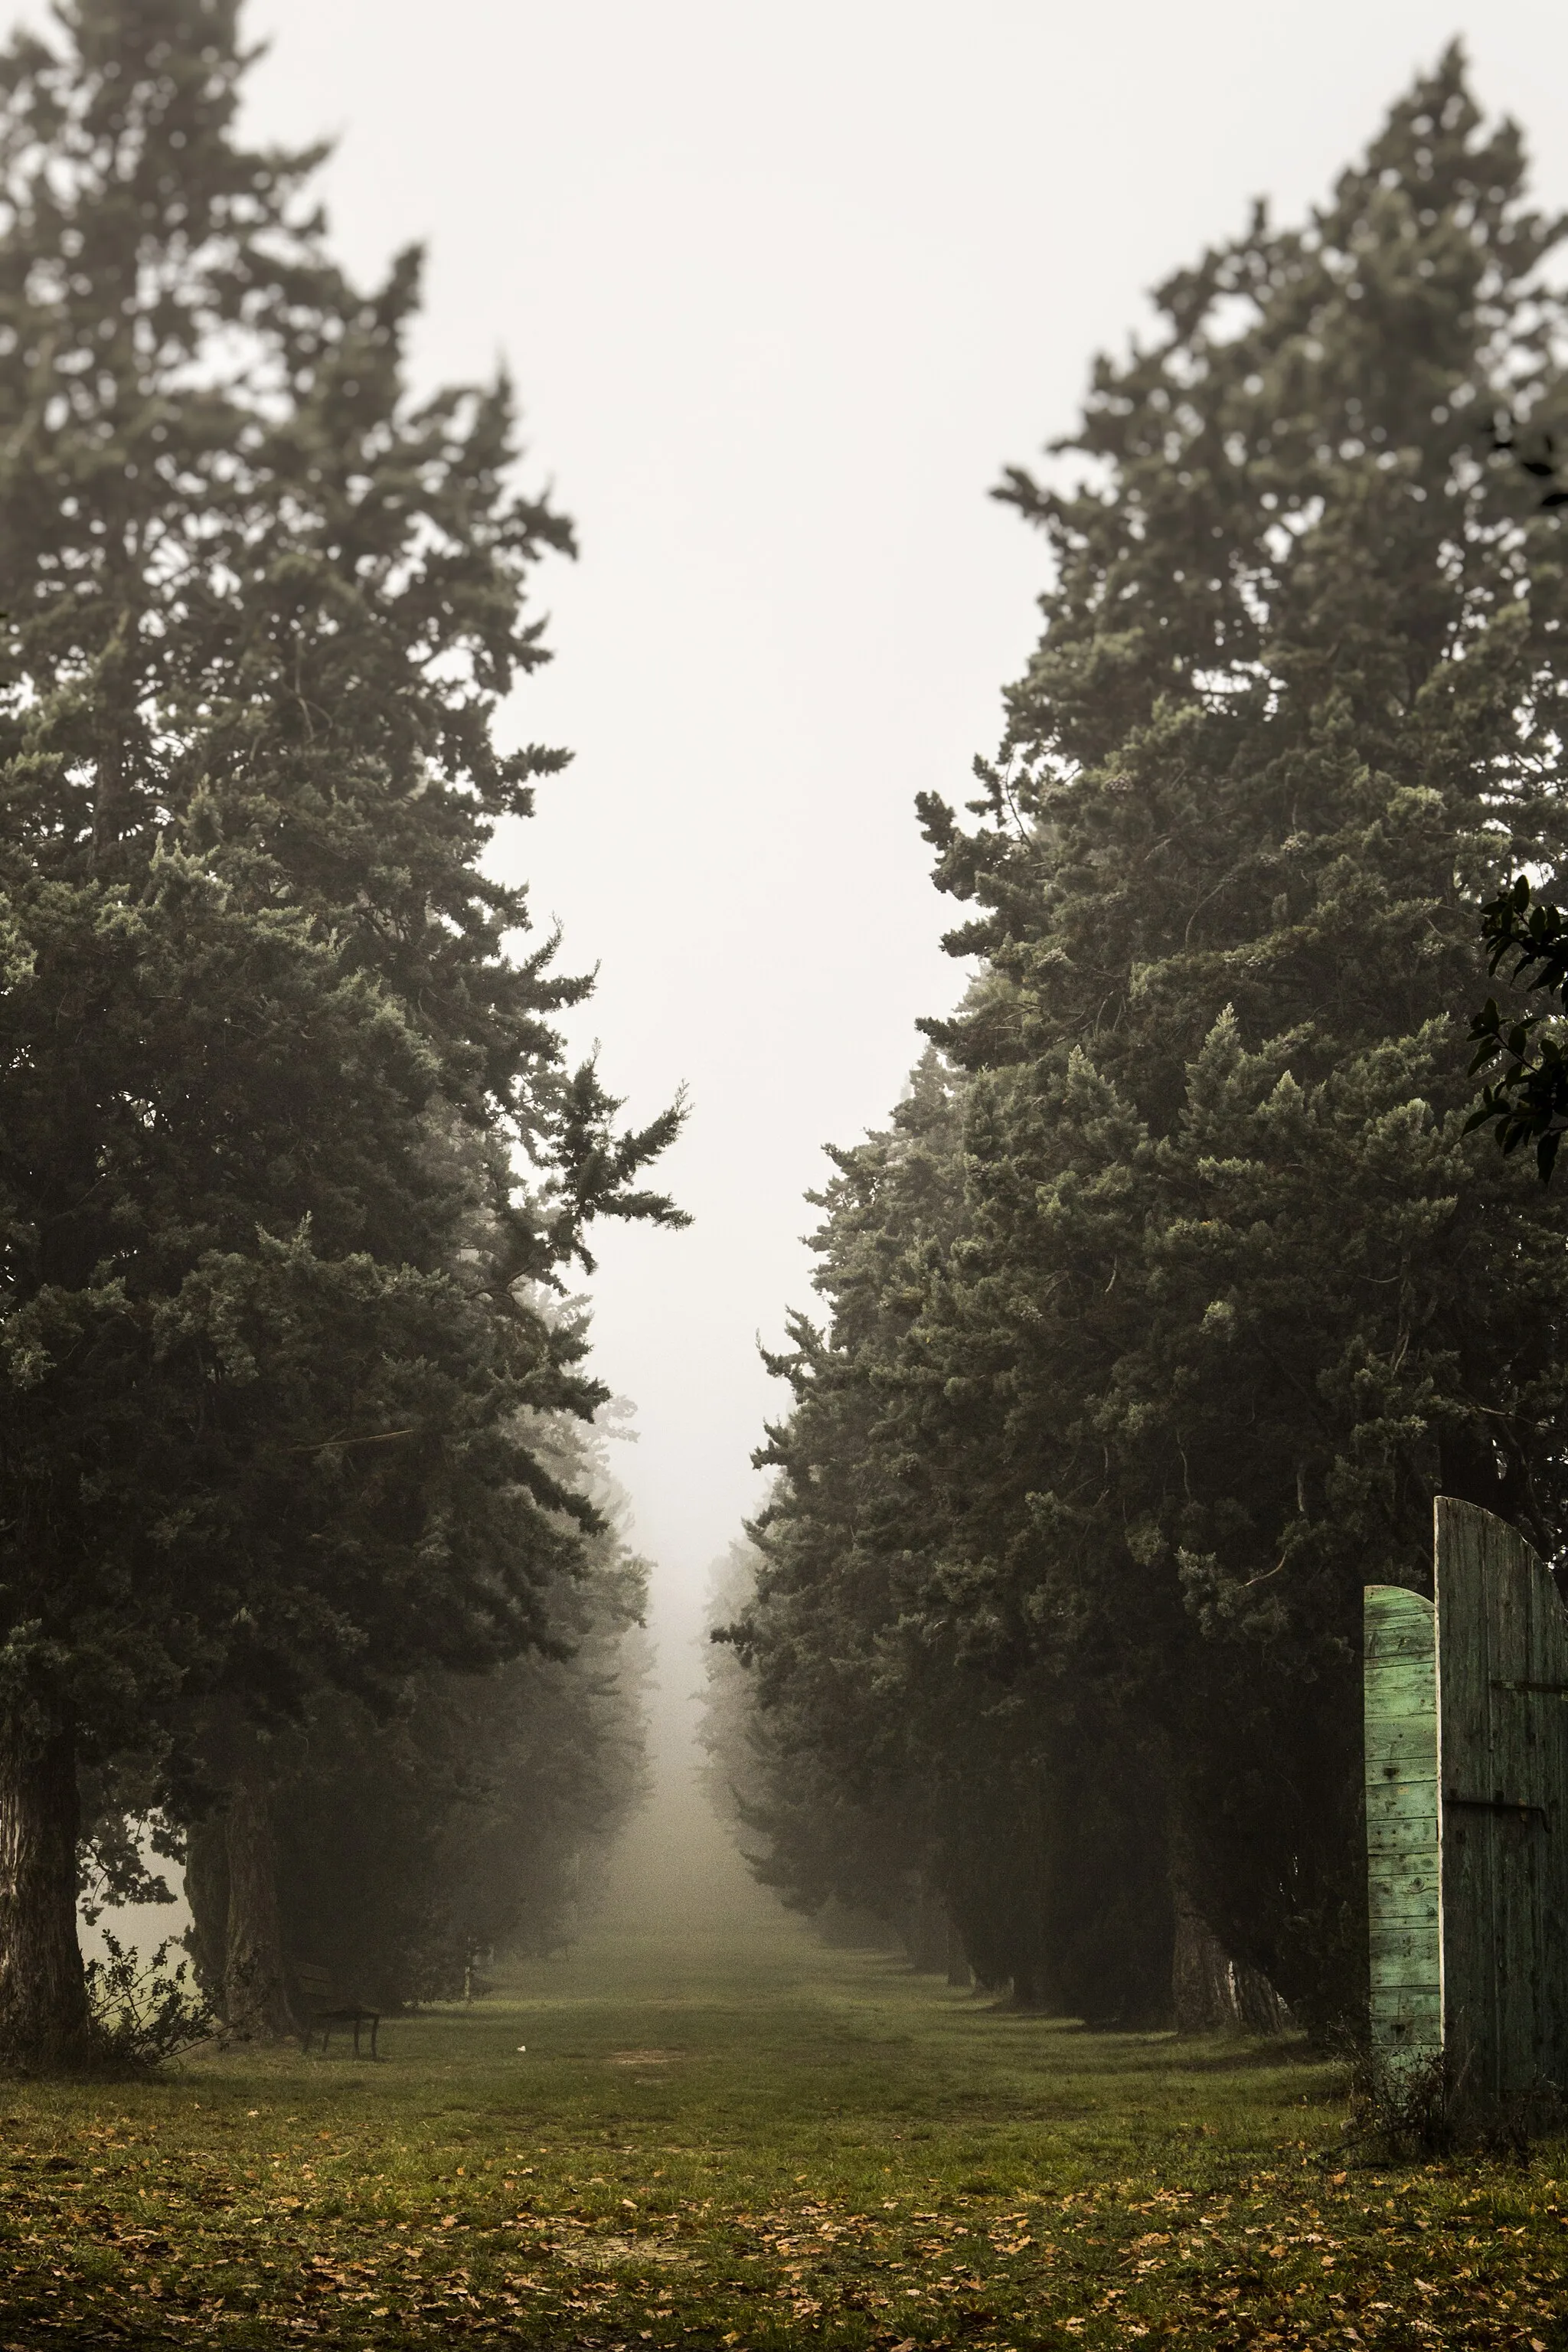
(1528, 1103)
(1542, 464)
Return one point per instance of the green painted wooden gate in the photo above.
(1402, 1860)
(1466, 1780)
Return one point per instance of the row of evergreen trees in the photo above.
(291, 1165)
(406, 1846)
(1175, 1288)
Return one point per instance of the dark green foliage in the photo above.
(256, 595)
(470, 1825)
(901, 1728)
(1214, 1291)
(123, 1839)
(1529, 1102)
(288, 1145)
(263, 606)
(472, 1821)
(143, 2011)
(254, 1404)
(262, 1320)
(1538, 456)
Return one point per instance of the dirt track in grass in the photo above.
(760, 2144)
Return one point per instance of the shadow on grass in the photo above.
(1246, 2057)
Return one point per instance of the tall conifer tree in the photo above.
(1232, 1296)
(286, 1132)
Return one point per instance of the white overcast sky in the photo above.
(783, 288)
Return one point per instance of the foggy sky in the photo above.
(782, 289)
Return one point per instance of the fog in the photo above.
(783, 291)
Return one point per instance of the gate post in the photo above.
(1502, 1750)
(1403, 1838)
(1467, 1810)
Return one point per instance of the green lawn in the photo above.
(767, 2145)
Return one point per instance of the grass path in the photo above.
(760, 2145)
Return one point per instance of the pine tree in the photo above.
(905, 1728)
(465, 1814)
(289, 1137)
(1296, 710)
(1232, 1294)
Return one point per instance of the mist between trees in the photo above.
(1172, 1293)
(304, 1552)
(1174, 1289)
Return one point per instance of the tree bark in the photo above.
(1201, 1991)
(255, 1981)
(922, 1925)
(206, 1892)
(43, 1990)
(1211, 1992)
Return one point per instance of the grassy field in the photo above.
(763, 2145)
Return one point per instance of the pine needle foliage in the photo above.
(1222, 1292)
(290, 1142)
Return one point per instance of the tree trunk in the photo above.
(1201, 1991)
(256, 1987)
(43, 1990)
(1258, 2008)
(1211, 1992)
(206, 1892)
(959, 1971)
(922, 1927)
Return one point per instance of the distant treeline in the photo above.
(1174, 1290)
(411, 1841)
(298, 1551)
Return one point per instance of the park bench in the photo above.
(324, 2010)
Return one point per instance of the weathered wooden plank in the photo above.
(1402, 1808)
(1394, 1789)
(1516, 1940)
(1409, 1949)
(1464, 1672)
(1502, 1660)
(1541, 1743)
(1402, 1904)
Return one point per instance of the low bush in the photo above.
(145, 2012)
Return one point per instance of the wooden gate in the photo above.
(1469, 1703)
(1403, 1861)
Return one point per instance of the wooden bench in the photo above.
(322, 2010)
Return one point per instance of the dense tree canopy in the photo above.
(1132, 1383)
(1525, 1097)
(465, 1814)
(289, 1142)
